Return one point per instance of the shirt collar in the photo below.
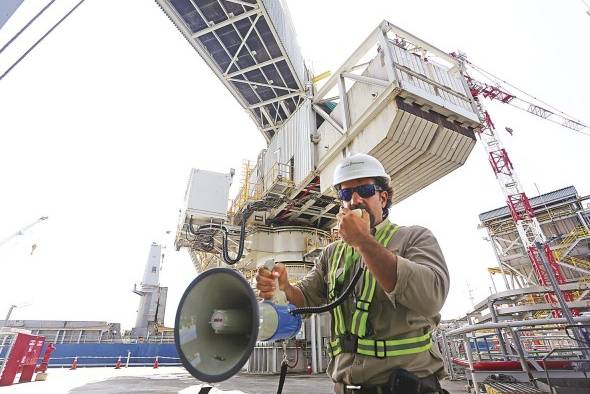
(379, 226)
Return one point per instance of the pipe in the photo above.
(313, 345)
(521, 323)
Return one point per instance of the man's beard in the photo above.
(364, 207)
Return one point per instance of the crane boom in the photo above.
(497, 93)
(22, 230)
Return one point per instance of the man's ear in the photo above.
(384, 196)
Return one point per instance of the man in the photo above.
(381, 334)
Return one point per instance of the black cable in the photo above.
(39, 40)
(26, 26)
(225, 247)
(282, 376)
(333, 304)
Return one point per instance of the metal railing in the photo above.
(125, 360)
(530, 342)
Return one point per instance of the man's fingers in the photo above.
(265, 285)
(264, 272)
(265, 295)
(265, 280)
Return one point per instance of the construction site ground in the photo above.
(171, 380)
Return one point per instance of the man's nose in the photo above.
(356, 199)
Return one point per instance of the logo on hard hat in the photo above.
(350, 163)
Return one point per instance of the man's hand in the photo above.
(354, 229)
(265, 280)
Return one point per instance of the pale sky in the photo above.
(102, 122)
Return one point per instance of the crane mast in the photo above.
(521, 210)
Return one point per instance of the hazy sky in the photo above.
(101, 123)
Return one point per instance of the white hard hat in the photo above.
(358, 166)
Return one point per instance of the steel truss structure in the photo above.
(259, 64)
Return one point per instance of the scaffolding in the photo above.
(563, 217)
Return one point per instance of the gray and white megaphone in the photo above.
(219, 321)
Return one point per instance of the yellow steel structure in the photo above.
(321, 76)
(568, 241)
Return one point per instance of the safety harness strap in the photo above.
(337, 317)
(361, 314)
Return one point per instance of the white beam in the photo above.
(262, 84)
(344, 103)
(328, 118)
(256, 66)
(274, 100)
(226, 22)
(365, 79)
(244, 3)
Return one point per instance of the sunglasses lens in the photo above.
(366, 191)
(345, 194)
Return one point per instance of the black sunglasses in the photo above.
(364, 191)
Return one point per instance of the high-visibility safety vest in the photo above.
(341, 342)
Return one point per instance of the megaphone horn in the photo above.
(219, 320)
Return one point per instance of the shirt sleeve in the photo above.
(422, 274)
(314, 285)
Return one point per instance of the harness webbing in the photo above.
(358, 326)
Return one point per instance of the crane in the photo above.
(23, 230)
(521, 210)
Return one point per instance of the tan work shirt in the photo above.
(410, 310)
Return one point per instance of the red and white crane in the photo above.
(521, 210)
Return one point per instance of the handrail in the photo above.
(519, 323)
(556, 350)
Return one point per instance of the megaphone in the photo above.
(219, 320)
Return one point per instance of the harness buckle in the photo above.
(349, 343)
(377, 348)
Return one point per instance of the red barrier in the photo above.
(22, 358)
(48, 350)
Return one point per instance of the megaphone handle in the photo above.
(279, 296)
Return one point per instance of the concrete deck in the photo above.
(171, 380)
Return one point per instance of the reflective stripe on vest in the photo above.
(337, 317)
(359, 319)
(386, 348)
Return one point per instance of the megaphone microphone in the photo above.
(219, 320)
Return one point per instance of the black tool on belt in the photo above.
(400, 382)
